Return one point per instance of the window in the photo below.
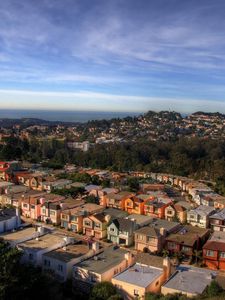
(192, 216)
(47, 263)
(60, 268)
(111, 229)
(87, 223)
(73, 218)
(186, 249)
(140, 237)
(43, 211)
(222, 254)
(32, 206)
(52, 213)
(25, 205)
(209, 253)
(172, 245)
(157, 283)
(97, 225)
(169, 212)
(136, 292)
(115, 271)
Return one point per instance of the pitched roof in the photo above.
(123, 224)
(212, 245)
(149, 231)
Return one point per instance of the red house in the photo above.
(214, 251)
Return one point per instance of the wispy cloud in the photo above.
(154, 48)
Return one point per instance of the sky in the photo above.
(112, 55)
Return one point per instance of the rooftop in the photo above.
(190, 280)
(19, 234)
(150, 260)
(160, 223)
(140, 275)
(111, 257)
(115, 213)
(188, 235)
(68, 253)
(140, 219)
(43, 242)
(203, 210)
(219, 215)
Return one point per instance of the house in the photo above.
(177, 212)
(9, 219)
(164, 225)
(32, 250)
(31, 180)
(219, 202)
(148, 238)
(31, 204)
(117, 200)
(121, 231)
(103, 195)
(217, 221)
(200, 216)
(51, 210)
(156, 208)
(51, 186)
(214, 251)
(4, 185)
(96, 225)
(188, 280)
(7, 168)
(93, 189)
(142, 278)
(101, 267)
(60, 262)
(187, 240)
(135, 204)
(72, 219)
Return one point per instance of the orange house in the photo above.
(156, 208)
(117, 200)
(135, 205)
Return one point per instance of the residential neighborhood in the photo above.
(141, 241)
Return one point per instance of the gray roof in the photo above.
(140, 219)
(202, 210)
(219, 215)
(190, 280)
(115, 213)
(159, 223)
(140, 275)
(110, 257)
(124, 224)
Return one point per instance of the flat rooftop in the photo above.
(19, 234)
(43, 242)
(109, 258)
(190, 280)
(71, 252)
(140, 275)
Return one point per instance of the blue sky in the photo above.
(112, 55)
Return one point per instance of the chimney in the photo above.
(162, 231)
(167, 267)
(95, 246)
(129, 258)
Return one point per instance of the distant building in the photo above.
(83, 146)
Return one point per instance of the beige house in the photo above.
(149, 238)
(101, 267)
(96, 225)
(142, 278)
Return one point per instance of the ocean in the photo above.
(64, 116)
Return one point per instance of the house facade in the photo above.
(121, 231)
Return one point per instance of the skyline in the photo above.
(112, 55)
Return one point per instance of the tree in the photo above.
(103, 291)
(214, 289)
(92, 199)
